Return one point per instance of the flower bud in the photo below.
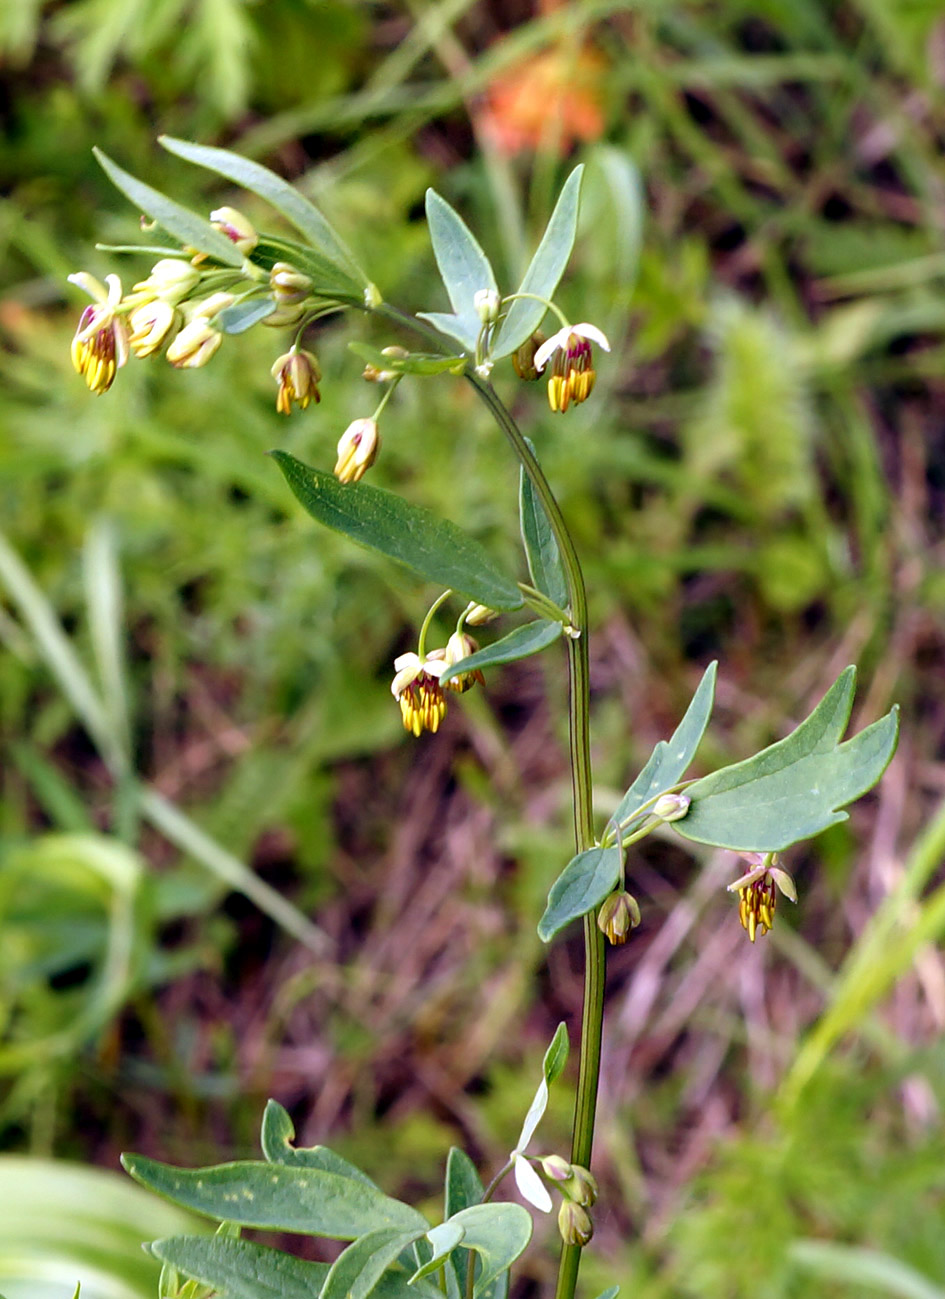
(357, 450)
(487, 303)
(194, 345)
(574, 1223)
(581, 1186)
(477, 615)
(286, 313)
(211, 306)
(297, 375)
(618, 915)
(230, 222)
(150, 325)
(171, 280)
(288, 285)
(671, 807)
(459, 646)
(556, 1168)
(523, 358)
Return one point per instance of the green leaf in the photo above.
(178, 221)
(581, 886)
(414, 363)
(356, 1272)
(519, 644)
(541, 548)
(464, 268)
(285, 198)
(435, 548)
(556, 1057)
(544, 273)
(498, 1233)
(257, 1194)
(243, 315)
(278, 1132)
(444, 1240)
(793, 789)
(463, 1184)
(611, 1293)
(326, 278)
(240, 1269)
(669, 761)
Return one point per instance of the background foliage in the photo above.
(759, 476)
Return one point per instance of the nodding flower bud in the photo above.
(581, 1186)
(477, 615)
(210, 306)
(618, 916)
(297, 375)
(194, 345)
(459, 646)
(171, 280)
(230, 222)
(487, 303)
(288, 285)
(574, 1223)
(556, 1168)
(523, 358)
(671, 807)
(150, 325)
(357, 450)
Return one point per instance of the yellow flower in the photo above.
(417, 689)
(194, 345)
(171, 280)
(758, 892)
(357, 450)
(150, 326)
(297, 375)
(572, 364)
(100, 344)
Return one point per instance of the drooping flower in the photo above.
(289, 285)
(194, 345)
(150, 325)
(572, 363)
(357, 450)
(459, 646)
(758, 892)
(238, 228)
(417, 689)
(100, 344)
(297, 375)
(171, 280)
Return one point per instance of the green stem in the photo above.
(585, 1107)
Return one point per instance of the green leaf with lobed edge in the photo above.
(544, 274)
(193, 231)
(498, 1233)
(519, 644)
(285, 198)
(435, 548)
(257, 1194)
(541, 548)
(795, 788)
(464, 268)
(670, 760)
(278, 1133)
(240, 1269)
(581, 886)
(414, 363)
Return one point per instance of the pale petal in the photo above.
(550, 346)
(592, 332)
(784, 882)
(530, 1185)
(90, 285)
(114, 290)
(743, 882)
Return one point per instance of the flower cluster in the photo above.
(758, 891)
(417, 687)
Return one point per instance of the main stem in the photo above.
(585, 1107)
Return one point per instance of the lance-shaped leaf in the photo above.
(519, 644)
(464, 268)
(463, 1189)
(414, 363)
(278, 1132)
(243, 315)
(178, 221)
(544, 273)
(795, 788)
(498, 1233)
(581, 886)
(285, 198)
(556, 1057)
(357, 1271)
(541, 548)
(435, 548)
(257, 1194)
(669, 761)
(240, 1269)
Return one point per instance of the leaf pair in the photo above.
(466, 270)
(792, 790)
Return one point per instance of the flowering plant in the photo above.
(226, 278)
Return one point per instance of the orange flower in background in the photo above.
(546, 102)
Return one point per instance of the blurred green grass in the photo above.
(759, 475)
